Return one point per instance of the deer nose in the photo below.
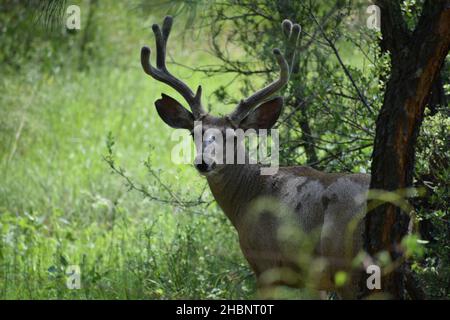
(202, 167)
(205, 166)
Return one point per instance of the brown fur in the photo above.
(327, 209)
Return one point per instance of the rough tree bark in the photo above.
(416, 58)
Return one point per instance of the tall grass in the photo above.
(60, 205)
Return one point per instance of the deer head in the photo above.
(258, 111)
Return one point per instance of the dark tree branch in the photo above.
(396, 35)
(344, 67)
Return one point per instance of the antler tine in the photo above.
(248, 104)
(161, 73)
(292, 33)
(286, 25)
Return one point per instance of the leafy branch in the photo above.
(173, 198)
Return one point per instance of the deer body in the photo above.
(319, 202)
(274, 215)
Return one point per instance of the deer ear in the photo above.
(173, 113)
(265, 116)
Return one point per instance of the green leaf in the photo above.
(340, 278)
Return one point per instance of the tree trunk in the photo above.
(416, 62)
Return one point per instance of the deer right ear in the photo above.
(173, 113)
(264, 116)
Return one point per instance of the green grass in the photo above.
(60, 205)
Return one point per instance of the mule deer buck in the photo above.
(313, 202)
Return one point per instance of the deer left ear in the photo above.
(265, 116)
(173, 113)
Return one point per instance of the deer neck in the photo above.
(234, 187)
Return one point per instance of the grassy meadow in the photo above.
(60, 205)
